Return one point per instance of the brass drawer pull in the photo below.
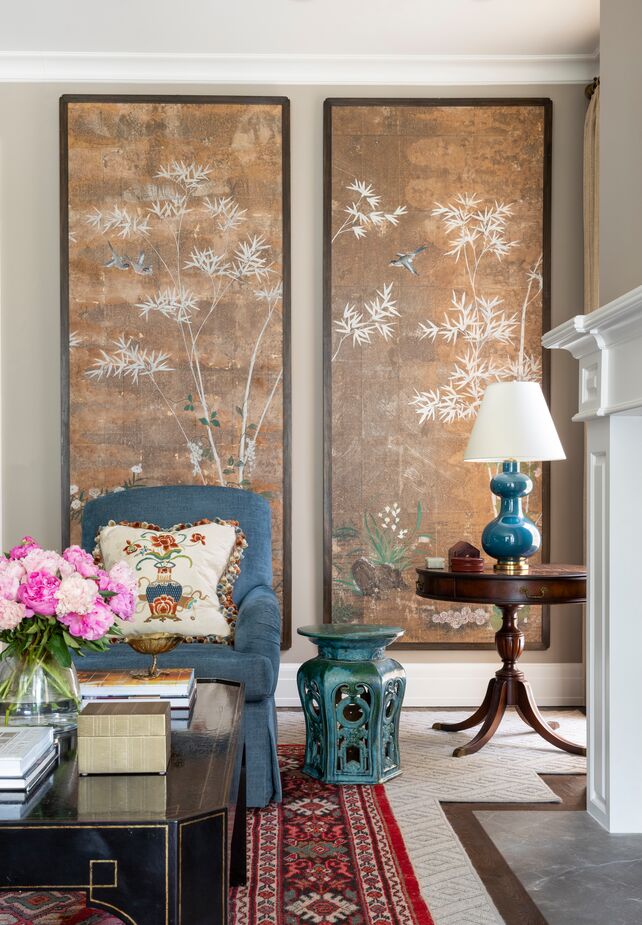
(542, 593)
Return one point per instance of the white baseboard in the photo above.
(463, 684)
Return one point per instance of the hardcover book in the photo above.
(22, 747)
(37, 773)
(173, 683)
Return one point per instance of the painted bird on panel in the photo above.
(406, 261)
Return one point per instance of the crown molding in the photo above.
(393, 70)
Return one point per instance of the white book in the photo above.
(176, 703)
(21, 747)
(33, 777)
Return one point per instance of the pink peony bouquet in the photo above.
(55, 604)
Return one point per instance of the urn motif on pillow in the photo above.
(186, 575)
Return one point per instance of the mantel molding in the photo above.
(616, 322)
(393, 70)
(571, 335)
(608, 344)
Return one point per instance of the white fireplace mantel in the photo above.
(608, 345)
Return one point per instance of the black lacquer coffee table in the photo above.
(152, 849)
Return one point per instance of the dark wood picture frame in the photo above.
(329, 104)
(284, 103)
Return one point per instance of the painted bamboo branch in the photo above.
(275, 295)
(172, 410)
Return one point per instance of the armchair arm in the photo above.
(258, 627)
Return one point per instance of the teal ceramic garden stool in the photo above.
(351, 695)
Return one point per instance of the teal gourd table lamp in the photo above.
(513, 425)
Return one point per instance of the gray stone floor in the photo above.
(574, 871)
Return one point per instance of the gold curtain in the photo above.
(591, 253)
(592, 203)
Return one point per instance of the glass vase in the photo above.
(38, 691)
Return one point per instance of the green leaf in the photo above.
(190, 398)
(228, 471)
(230, 460)
(419, 512)
(203, 421)
(188, 408)
(214, 414)
(71, 641)
(251, 426)
(59, 650)
(215, 423)
(96, 645)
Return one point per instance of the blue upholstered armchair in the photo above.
(255, 657)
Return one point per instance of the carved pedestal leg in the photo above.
(527, 709)
(478, 716)
(551, 722)
(492, 721)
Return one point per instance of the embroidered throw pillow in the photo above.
(185, 576)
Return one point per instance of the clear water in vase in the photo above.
(38, 692)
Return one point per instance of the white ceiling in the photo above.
(302, 27)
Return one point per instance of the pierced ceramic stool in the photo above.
(351, 695)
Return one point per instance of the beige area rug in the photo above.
(505, 771)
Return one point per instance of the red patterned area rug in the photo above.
(326, 855)
(50, 907)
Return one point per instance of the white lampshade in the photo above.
(513, 422)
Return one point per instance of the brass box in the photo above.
(124, 738)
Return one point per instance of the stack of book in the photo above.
(27, 757)
(176, 686)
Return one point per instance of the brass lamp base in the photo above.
(512, 566)
(153, 644)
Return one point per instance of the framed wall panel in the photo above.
(176, 300)
(437, 282)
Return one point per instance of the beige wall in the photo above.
(29, 277)
(620, 148)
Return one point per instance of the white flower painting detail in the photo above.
(375, 319)
(458, 618)
(365, 214)
(475, 321)
(185, 284)
(79, 497)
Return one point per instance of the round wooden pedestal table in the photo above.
(542, 584)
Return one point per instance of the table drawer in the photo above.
(485, 588)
